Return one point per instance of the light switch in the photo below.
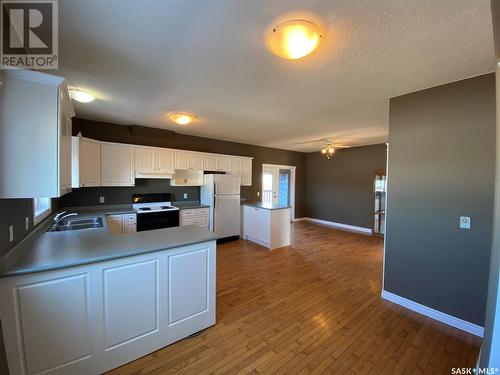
(464, 222)
(185, 195)
(102, 199)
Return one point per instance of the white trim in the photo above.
(37, 218)
(385, 208)
(351, 228)
(292, 169)
(434, 314)
(280, 166)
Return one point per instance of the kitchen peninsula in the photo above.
(87, 301)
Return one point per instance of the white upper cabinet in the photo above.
(153, 162)
(114, 164)
(235, 166)
(117, 165)
(223, 163)
(210, 162)
(64, 130)
(196, 161)
(165, 160)
(89, 163)
(145, 159)
(181, 160)
(35, 128)
(246, 172)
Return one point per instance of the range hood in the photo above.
(154, 174)
(187, 177)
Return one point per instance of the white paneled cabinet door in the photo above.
(235, 166)
(145, 159)
(209, 162)
(223, 163)
(181, 160)
(131, 307)
(89, 161)
(246, 172)
(196, 161)
(191, 273)
(46, 307)
(115, 223)
(165, 160)
(117, 165)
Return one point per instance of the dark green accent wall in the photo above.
(442, 166)
(341, 189)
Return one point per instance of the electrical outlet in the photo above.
(26, 223)
(258, 193)
(11, 233)
(102, 199)
(185, 195)
(464, 222)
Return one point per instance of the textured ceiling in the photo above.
(145, 58)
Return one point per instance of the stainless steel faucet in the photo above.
(61, 216)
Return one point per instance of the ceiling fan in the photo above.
(328, 148)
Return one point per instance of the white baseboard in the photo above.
(434, 314)
(333, 224)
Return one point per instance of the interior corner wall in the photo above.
(442, 166)
(340, 189)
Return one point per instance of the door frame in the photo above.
(292, 169)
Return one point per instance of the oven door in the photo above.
(157, 220)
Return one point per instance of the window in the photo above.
(267, 188)
(41, 209)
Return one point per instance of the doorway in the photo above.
(278, 185)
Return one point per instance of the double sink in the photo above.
(76, 224)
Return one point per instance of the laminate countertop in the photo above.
(266, 206)
(45, 251)
(189, 205)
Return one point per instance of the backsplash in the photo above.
(14, 212)
(89, 196)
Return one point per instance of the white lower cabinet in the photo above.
(122, 223)
(269, 228)
(197, 216)
(90, 319)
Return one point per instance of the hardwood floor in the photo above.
(312, 308)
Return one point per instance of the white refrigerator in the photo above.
(222, 193)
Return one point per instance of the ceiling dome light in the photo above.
(180, 118)
(294, 39)
(81, 96)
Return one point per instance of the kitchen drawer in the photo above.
(194, 212)
(130, 218)
(129, 228)
(199, 220)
